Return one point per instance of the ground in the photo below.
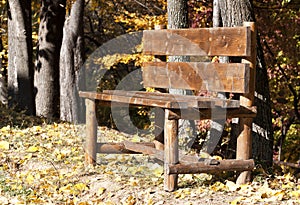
(43, 163)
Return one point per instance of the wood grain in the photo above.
(220, 77)
(198, 42)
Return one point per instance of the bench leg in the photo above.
(170, 152)
(244, 147)
(159, 128)
(91, 132)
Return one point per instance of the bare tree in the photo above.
(234, 13)
(71, 60)
(178, 18)
(46, 75)
(20, 66)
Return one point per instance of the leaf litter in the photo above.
(43, 163)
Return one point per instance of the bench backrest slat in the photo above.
(224, 41)
(231, 77)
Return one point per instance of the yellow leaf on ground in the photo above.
(100, 191)
(4, 145)
(32, 149)
(80, 186)
(30, 179)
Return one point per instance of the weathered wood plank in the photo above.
(220, 77)
(163, 100)
(233, 41)
(216, 113)
(204, 167)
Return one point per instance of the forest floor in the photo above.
(43, 163)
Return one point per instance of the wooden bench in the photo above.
(215, 77)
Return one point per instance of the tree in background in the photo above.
(46, 75)
(234, 13)
(178, 18)
(71, 60)
(279, 28)
(20, 66)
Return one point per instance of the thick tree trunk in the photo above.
(20, 66)
(3, 86)
(234, 13)
(46, 77)
(178, 18)
(71, 60)
(217, 126)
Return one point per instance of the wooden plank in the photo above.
(219, 77)
(184, 101)
(204, 167)
(234, 41)
(171, 152)
(91, 132)
(215, 114)
(120, 148)
(159, 100)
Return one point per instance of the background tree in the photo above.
(71, 60)
(234, 13)
(279, 26)
(3, 87)
(46, 76)
(178, 18)
(20, 66)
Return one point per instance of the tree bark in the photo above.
(178, 18)
(217, 126)
(20, 66)
(46, 77)
(234, 13)
(3, 80)
(71, 60)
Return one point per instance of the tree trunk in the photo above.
(20, 66)
(46, 77)
(217, 126)
(71, 60)
(178, 18)
(3, 86)
(234, 13)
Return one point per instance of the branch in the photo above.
(291, 88)
(143, 5)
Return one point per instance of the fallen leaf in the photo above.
(100, 191)
(4, 145)
(32, 149)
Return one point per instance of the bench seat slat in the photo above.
(165, 100)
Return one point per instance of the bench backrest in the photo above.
(220, 77)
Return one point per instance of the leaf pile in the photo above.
(44, 164)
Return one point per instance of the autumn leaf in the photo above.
(4, 145)
(32, 149)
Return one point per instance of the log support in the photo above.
(171, 153)
(91, 132)
(215, 166)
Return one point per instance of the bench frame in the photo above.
(194, 107)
